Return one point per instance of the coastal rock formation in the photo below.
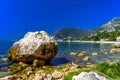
(10, 78)
(88, 76)
(116, 45)
(41, 73)
(35, 47)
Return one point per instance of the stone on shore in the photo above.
(11, 78)
(38, 77)
(57, 75)
(88, 76)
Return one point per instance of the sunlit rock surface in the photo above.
(88, 76)
(34, 46)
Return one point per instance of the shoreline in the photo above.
(93, 41)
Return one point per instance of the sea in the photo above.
(64, 57)
(101, 48)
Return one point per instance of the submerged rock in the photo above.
(88, 76)
(94, 53)
(5, 59)
(115, 50)
(73, 53)
(86, 58)
(84, 51)
(38, 46)
(116, 45)
(80, 54)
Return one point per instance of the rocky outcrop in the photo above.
(88, 76)
(30, 53)
(116, 45)
(35, 47)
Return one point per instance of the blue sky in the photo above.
(17, 17)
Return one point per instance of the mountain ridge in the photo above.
(111, 29)
(70, 33)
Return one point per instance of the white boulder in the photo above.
(88, 76)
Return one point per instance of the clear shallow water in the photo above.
(65, 48)
(4, 46)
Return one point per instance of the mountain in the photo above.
(110, 26)
(70, 33)
(109, 31)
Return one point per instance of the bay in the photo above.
(101, 48)
(65, 48)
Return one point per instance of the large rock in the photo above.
(88, 76)
(34, 46)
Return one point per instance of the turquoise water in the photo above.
(66, 47)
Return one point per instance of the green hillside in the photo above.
(109, 31)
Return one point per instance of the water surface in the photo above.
(66, 47)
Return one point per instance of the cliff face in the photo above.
(34, 45)
(110, 26)
(111, 29)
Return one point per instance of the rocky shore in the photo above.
(33, 51)
(31, 59)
